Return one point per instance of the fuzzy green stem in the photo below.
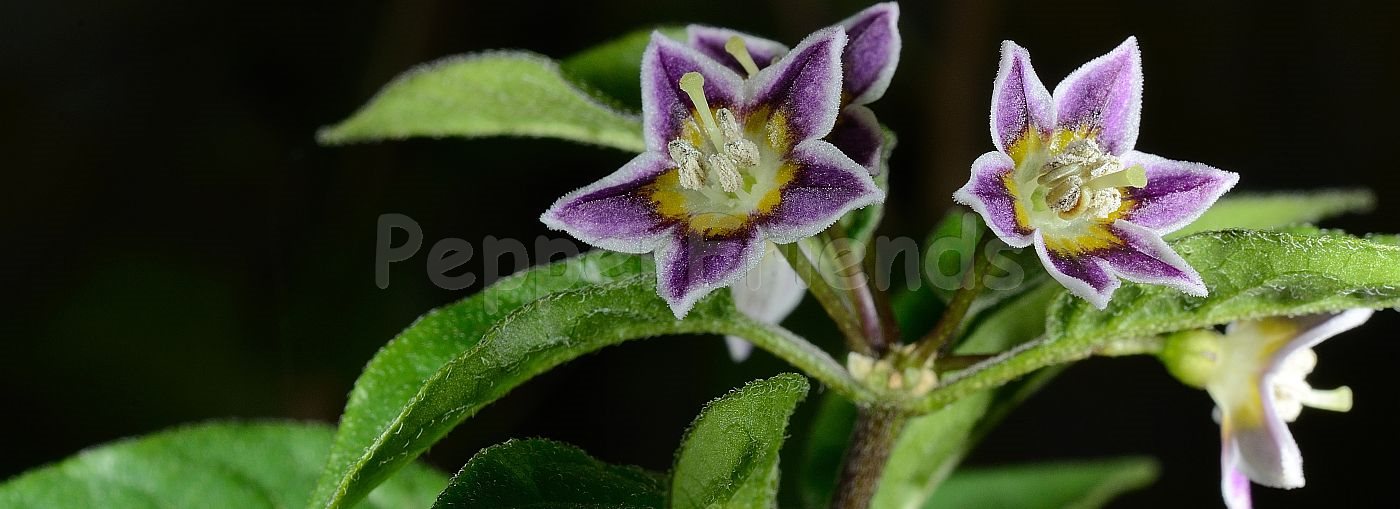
(831, 301)
(857, 289)
(933, 343)
(802, 354)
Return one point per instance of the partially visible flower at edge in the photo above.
(1065, 178)
(1256, 373)
(868, 61)
(732, 162)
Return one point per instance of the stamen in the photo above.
(1135, 176)
(729, 178)
(744, 152)
(687, 159)
(735, 46)
(694, 85)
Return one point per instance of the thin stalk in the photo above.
(876, 430)
(831, 301)
(858, 289)
(933, 343)
(800, 353)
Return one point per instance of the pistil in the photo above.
(735, 46)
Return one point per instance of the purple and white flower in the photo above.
(1256, 373)
(868, 61)
(732, 163)
(1065, 178)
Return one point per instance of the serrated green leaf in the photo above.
(214, 465)
(501, 93)
(1250, 275)
(615, 67)
(1261, 211)
(1062, 485)
(729, 457)
(537, 473)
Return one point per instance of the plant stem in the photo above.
(835, 306)
(802, 354)
(932, 344)
(858, 290)
(876, 430)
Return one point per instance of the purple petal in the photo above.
(825, 186)
(1020, 103)
(1104, 97)
(1177, 192)
(711, 41)
(857, 134)
(804, 87)
(990, 193)
(665, 107)
(768, 294)
(1083, 275)
(872, 52)
(691, 265)
(615, 213)
(1144, 258)
(1234, 485)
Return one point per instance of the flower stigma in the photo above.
(735, 46)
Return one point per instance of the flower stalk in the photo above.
(831, 301)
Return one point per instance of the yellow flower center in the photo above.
(727, 170)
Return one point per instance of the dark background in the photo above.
(177, 248)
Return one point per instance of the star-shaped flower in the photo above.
(1066, 179)
(770, 292)
(731, 162)
(1256, 373)
(868, 64)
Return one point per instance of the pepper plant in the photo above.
(759, 178)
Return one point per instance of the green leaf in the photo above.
(1271, 210)
(388, 390)
(615, 67)
(1250, 275)
(502, 93)
(415, 392)
(1063, 485)
(234, 465)
(540, 473)
(729, 457)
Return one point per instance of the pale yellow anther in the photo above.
(735, 46)
(725, 171)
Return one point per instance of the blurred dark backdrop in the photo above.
(177, 247)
